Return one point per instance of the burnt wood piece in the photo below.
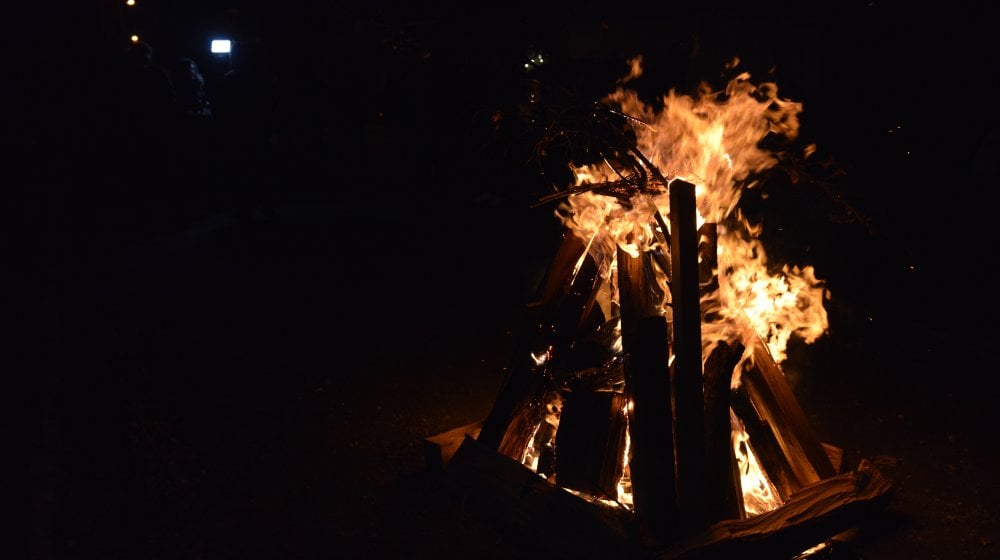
(686, 372)
(723, 491)
(836, 455)
(518, 398)
(439, 448)
(645, 341)
(777, 406)
(555, 336)
(549, 521)
(815, 514)
(764, 444)
(776, 403)
(590, 443)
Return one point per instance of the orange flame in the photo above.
(713, 140)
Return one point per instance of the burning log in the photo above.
(777, 406)
(590, 443)
(812, 516)
(764, 444)
(776, 411)
(723, 490)
(645, 340)
(689, 412)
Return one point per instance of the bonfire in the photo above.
(645, 406)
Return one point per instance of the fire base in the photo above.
(561, 524)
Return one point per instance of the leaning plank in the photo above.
(546, 519)
(774, 399)
(813, 515)
(439, 448)
(723, 498)
(836, 455)
(764, 444)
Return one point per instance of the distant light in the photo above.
(221, 46)
(134, 38)
(130, 2)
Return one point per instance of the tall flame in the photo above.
(712, 140)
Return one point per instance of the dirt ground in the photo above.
(261, 389)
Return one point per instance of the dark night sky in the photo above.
(898, 95)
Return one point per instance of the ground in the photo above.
(261, 389)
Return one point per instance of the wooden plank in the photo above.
(723, 492)
(590, 443)
(559, 275)
(645, 341)
(836, 455)
(439, 448)
(775, 401)
(546, 519)
(816, 513)
(686, 371)
(764, 445)
(517, 410)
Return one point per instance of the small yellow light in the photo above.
(130, 2)
(134, 38)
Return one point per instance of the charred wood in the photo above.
(815, 514)
(645, 341)
(686, 372)
(723, 492)
(764, 444)
(539, 514)
(776, 403)
(551, 319)
(590, 443)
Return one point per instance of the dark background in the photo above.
(229, 343)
